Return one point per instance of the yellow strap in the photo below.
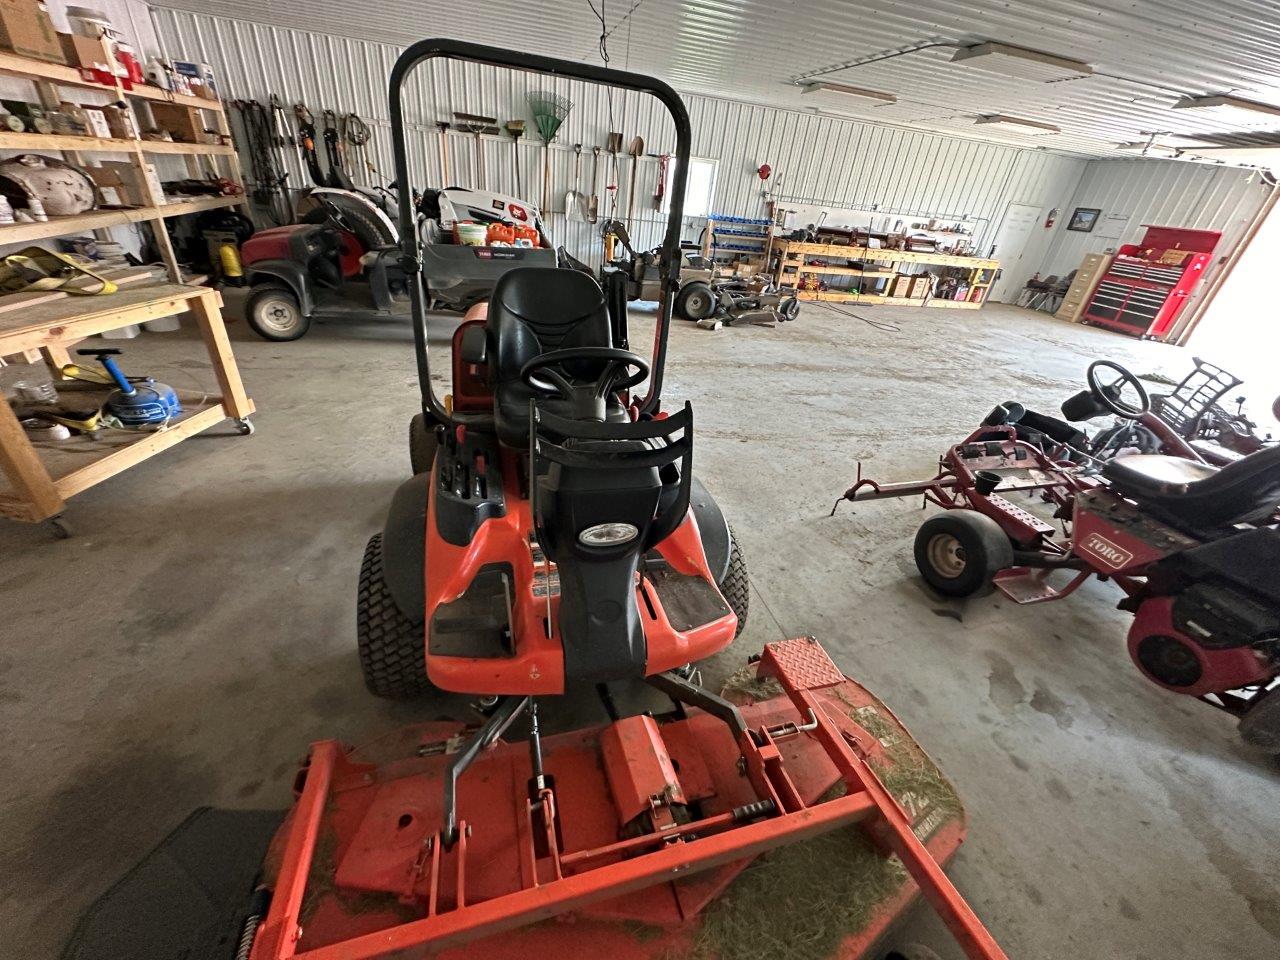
(36, 268)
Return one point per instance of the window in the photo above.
(697, 192)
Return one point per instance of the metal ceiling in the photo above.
(1146, 54)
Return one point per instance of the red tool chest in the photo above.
(1148, 283)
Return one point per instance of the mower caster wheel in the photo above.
(59, 527)
(422, 444)
(789, 308)
(245, 428)
(392, 649)
(958, 552)
(1260, 725)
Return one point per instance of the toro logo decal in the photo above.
(1106, 551)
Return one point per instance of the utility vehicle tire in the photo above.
(422, 444)
(789, 308)
(695, 301)
(393, 654)
(959, 551)
(275, 314)
(735, 586)
(1260, 726)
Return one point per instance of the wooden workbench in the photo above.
(793, 259)
(39, 485)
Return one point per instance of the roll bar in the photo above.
(410, 260)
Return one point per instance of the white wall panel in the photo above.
(1164, 192)
(816, 158)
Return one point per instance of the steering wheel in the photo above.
(1110, 394)
(541, 372)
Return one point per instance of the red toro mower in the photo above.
(557, 540)
(1195, 547)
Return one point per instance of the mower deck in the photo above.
(638, 827)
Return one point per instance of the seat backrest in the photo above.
(535, 310)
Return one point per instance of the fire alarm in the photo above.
(764, 171)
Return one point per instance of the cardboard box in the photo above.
(84, 52)
(921, 286)
(121, 123)
(185, 124)
(96, 123)
(125, 184)
(25, 28)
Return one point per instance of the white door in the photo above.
(1012, 243)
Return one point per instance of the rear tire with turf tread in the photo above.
(959, 551)
(735, 586)
(422, 444)
(1260, 725)
(392, 648)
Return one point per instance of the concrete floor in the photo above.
(197, 632)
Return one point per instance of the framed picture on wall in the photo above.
(1084, 219)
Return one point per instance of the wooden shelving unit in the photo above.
(48, 77)
(792, 265)
(738, 237)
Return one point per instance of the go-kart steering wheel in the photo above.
(1110, 394)
(541, 374)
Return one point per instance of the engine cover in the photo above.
(1169, 657)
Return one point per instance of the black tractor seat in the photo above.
(533, 311)
(1197, 496)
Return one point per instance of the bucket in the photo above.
(470, 234)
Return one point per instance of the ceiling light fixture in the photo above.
(1032, 126)
(1229, 108)
(819, 86)
(1148, 149)
(1021, 62)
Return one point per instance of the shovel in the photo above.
(516, 129)
(593, 208)
(575, 201)
(636, 150)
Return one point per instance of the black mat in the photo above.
(186, 899)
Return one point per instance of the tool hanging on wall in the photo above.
(549, 110)
(264, 147)
(333, 153)
(516, 129)
(307, 144)
(356, 134)
(614, 146)
(575, 201)
(593, 207)
(636, 150)
(661, 189)
(476, 125)
(443, 127)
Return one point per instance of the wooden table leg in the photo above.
(21, 464)
(56, 356)
(208, 314)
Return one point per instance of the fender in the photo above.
(404, 565)
(293, 275)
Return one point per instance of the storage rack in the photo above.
(739, 237)
(792, 266)
(47, 78)
(1142, 294)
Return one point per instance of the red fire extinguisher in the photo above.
(1053, 215)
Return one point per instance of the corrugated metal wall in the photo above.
(818, 158)
(815, 158)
